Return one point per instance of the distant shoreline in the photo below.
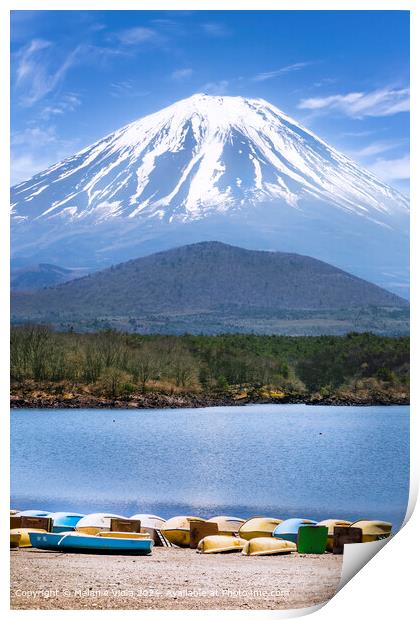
(189, 401)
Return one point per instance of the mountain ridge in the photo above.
(208, 283)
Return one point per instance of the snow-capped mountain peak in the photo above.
(200, 155)
(208, 167)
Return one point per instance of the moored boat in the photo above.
(96, 522)
(268, 546)
(177, 530)
(220, 544)
(87, 543)
(288, 529)
(228, 526)
(331, 524)
(258, 527)
(373, 530)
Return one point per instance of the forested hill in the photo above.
(207, 282)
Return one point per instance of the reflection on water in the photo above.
(284, 460)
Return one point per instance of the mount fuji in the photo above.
(230, 169)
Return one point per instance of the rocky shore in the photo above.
(154, 400)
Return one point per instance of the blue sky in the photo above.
(78, 75)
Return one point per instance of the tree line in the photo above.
(119, 363)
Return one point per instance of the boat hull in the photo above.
(25, 533)
(373, 530)
(220, 544)
(79, 543)
(268, 546)
(228, 526)
(65, 521)
(288, 530)
(258, 527)
(177, 530)
(96, 522)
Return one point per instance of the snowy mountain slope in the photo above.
(227, 168)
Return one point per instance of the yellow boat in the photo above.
(14, 540)
(331, 524)
(373, 530)
(268, 546)
(96, 522)
(123, 534)
(24, 532)
(177, 530)
(220, 544)
(258, 527)
(228, 526)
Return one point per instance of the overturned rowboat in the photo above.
(288, 529)
(150, 524)
(268, 546)
(228, 526)
(258, 527)
(86, 543)
(220, 544)
(373, 530)
(96, 522)
(24, 535)
(65, 521)
(32, 513)
(177, 530)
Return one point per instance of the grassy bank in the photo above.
(115, 369)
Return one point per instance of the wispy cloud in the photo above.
(138, 36)
(67, 103)
(216, 88)
(182, 74)
(216, 29)
(127, 88)
(38, 72)
(33, 136)
(392, 169)
(269, 75)
(375, 148)
(382, 102)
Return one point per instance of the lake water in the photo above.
(278, 460)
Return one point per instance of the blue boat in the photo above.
(65, 521)
(74, 542)
(288, 529)
(32, 513)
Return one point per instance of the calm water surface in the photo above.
(279, 460)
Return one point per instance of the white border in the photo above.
(388, 584)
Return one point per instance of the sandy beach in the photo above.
(170, 579)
